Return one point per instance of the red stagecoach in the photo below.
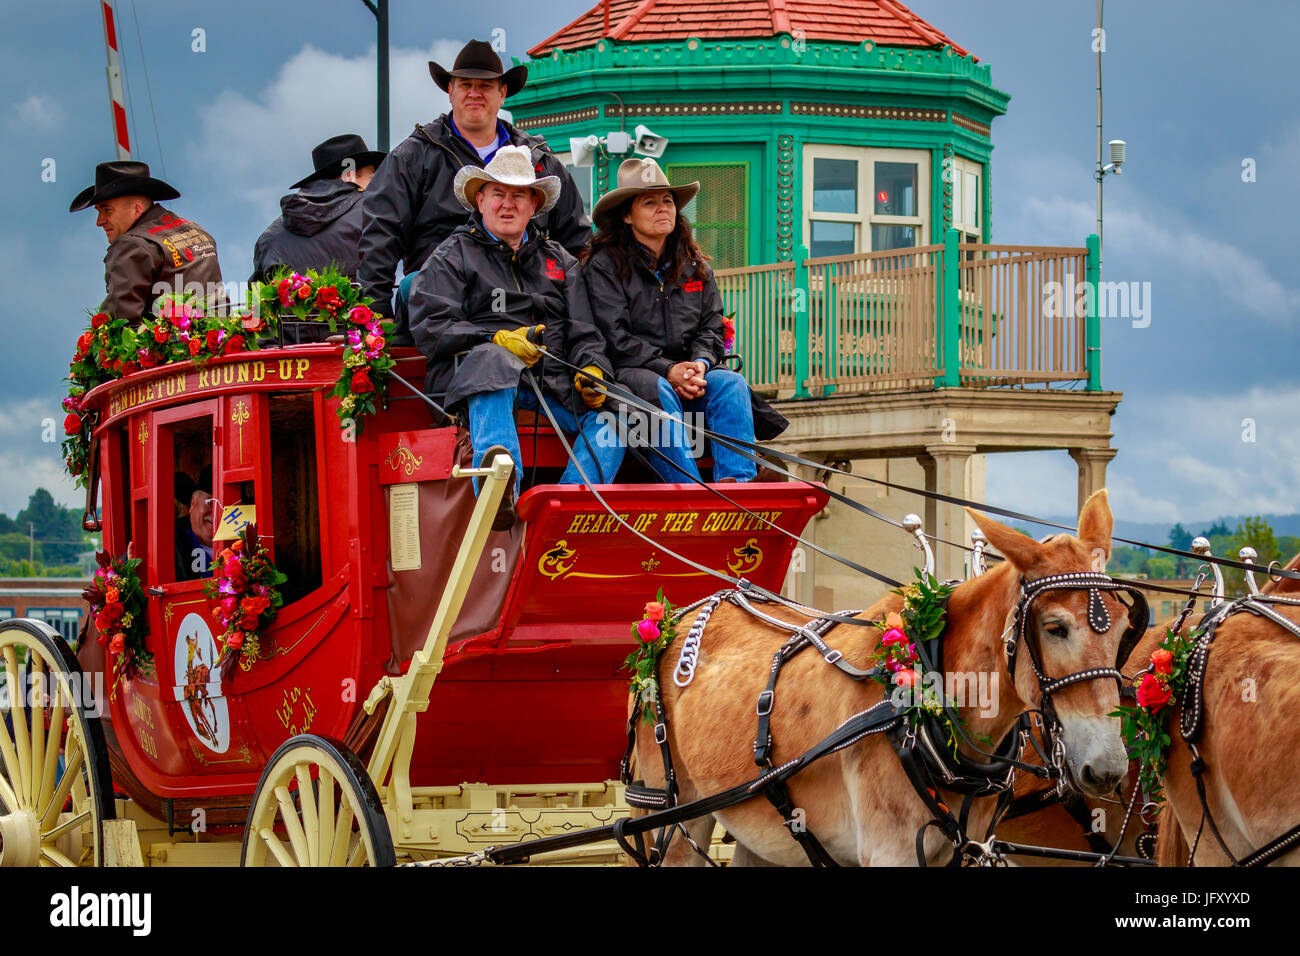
(393, 580)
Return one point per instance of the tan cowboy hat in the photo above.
(511, 166)
(636, 176)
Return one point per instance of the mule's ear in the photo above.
(1020, 549)
(1096, 524)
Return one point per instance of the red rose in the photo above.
(328, 298)
(117, 643)
(304, 291)
(129, 367)
(161, 335)
(235, 641)
(249, 622)
(1152, 694)
(234, 344)
(98, 319)
(361, 381)
(195, 346)
(284, 287)
(114, 610)
(72, 424)
(213, 339)
(1163, 661)
(103, 359)
(360, 315)
(654, 611)
(84, 342)
(252, 323)
(148, 359)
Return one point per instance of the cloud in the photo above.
(257, 146)
(1139, 235)
(31, 463)
(37, 112)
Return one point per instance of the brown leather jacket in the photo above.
(159, 247)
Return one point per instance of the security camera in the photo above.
(649, 143)
(618, 142)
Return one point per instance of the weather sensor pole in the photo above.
(120, 136)
(1116, 145)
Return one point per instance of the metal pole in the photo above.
(1100, 175)
(382, 16)
(31, 542)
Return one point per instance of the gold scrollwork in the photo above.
(143, 433)
(401, 458)
(747, 558)
(552, 562)
(244, 756)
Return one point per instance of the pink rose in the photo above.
(648, 631)
(906, 678)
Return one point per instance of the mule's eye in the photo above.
(1058, 630)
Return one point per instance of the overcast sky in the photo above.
(1194, 87)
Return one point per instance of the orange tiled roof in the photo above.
(885, 22)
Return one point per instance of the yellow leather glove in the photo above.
(591, 396)
(519, 342)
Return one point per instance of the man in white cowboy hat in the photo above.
(490, 294)
(148, 246)
(409, 207)
(320, 222)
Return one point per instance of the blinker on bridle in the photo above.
(1094, 582)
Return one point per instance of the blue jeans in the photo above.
(727, 411)
(492, 422)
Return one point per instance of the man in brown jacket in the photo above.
(150, 250)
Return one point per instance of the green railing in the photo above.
(955, 314)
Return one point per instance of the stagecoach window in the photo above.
(193, 506)
(294, 494)
(122, 485)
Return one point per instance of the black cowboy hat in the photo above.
(478, 61)
(122, 177)
(328, 157)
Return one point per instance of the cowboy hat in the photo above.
(122, 177)
(511, 166)
(328, 157)
(637, 176)
(478, 61)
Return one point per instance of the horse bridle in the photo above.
(1017, 634)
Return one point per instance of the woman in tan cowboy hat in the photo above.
(660, 312)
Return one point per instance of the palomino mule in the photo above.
(859, 802)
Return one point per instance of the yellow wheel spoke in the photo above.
(342, 834)
(292, 826)
(8, 799)
(67, 825)
(325, 813)
(358, 855)
(22, 743)
(307, 801)
(276, 847)
(55, 857)
(55, 737)
(71, 773)
(10, 757)
(37, 674)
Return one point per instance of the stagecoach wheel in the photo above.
(316, 806)
(55, 784)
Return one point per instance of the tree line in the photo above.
(43, 540)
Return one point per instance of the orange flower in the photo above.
(894, 619)
(654, 611)
(1163, 661)
(117, 643)
(111, 595)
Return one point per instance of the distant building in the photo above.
(56, 601)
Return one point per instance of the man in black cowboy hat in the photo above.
(410, 206)
(320, 223)
(150, 250)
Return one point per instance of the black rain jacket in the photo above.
(410, 206)
(473, 286)
(319, 224)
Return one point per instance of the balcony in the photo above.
(950, 315)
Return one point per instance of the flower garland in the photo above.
(654, 632)
(180, 329)
(728, 333)
(1146, 726)
(916, 692)
(117, 604)
(245, 584)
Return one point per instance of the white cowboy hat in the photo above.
(511, 166)
(636, 176)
